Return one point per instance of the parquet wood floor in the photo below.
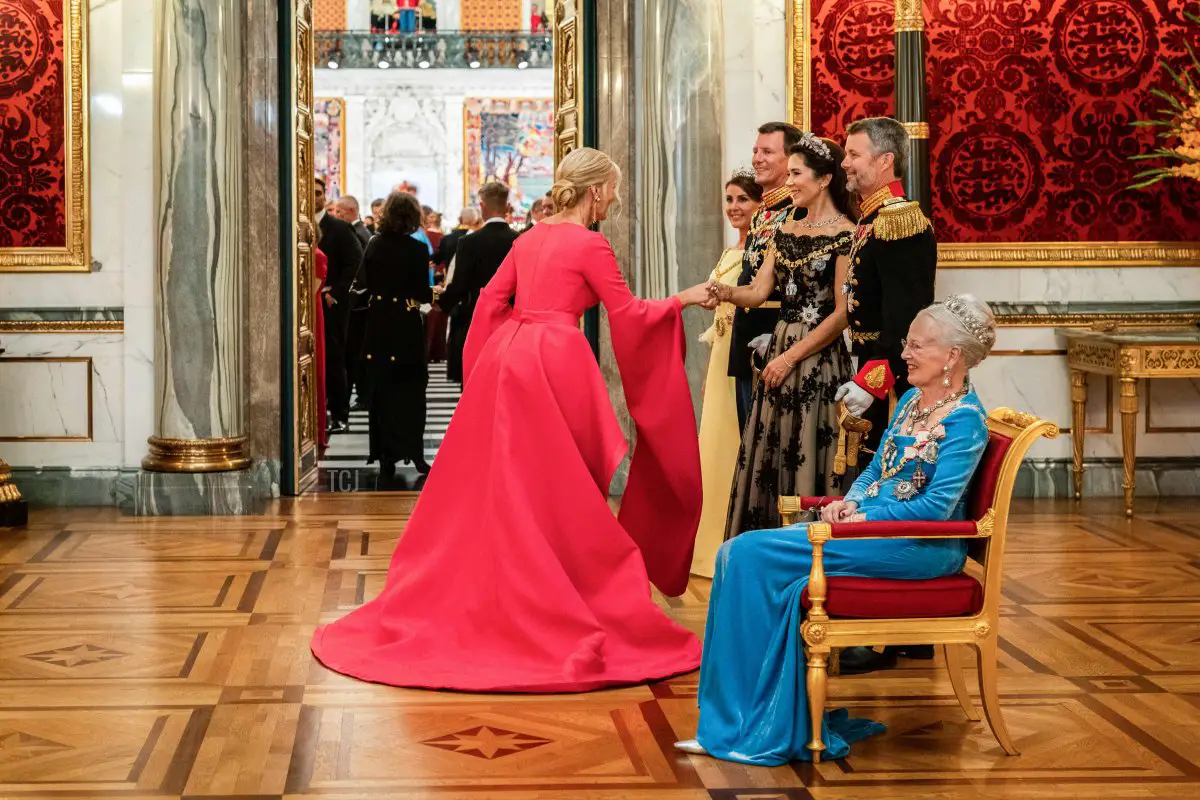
(168, 658)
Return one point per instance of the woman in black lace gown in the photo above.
(789, 442)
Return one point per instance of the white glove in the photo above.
(856, 398)
(759, 344)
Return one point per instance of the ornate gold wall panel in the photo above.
(568, 77)
(304, 384)
(76, 256)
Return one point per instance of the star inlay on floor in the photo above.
(158, 658)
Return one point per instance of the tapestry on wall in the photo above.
(43, 135)
(1031, 105)
(491, 15)
(511, 141)
(329, 144)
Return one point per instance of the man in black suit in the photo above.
(347, 210)
(468, 221)
(344, 251)
(479, 256)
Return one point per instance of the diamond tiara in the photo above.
(811, 142)
(956, 306)
(743, 172)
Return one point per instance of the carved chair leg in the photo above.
(990, 695)
(952, 654)
(818, 661)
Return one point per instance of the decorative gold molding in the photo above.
(303, 400)
(1098, 321)
(909, 16)
(986, 525)
(87, 362)
(62, 326)
(916, 130)
(1068, 254)
(799, 45)
(568, 78)
(76, 256)
(979, 256)
(1059, 352)
(196, 455)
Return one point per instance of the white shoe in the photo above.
(691, 746)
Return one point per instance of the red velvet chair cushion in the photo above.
(982, 490)
(879, 598)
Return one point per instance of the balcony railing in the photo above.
(440, 50)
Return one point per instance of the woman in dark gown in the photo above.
(395, 270)
(789, 443)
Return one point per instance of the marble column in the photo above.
(264, 324)
(680, 171)
(615, 51)
(200, 300)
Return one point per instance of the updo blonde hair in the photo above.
(580, 170)
(967, 323)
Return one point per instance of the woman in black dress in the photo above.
(395, 270)
(789, 443)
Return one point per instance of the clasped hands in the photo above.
(841, 511)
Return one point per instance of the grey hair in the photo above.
(966, 322)
(469, 216)
(887, 136)
(350, 202)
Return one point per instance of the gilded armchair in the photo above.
(950, 611)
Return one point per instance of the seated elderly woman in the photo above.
(753, 702)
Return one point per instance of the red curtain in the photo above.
(1030, 110)
(33, 190)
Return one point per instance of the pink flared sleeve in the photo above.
(662, 503)
(491, 311)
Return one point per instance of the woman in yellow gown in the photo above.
(719, 434)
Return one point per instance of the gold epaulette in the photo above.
(900, 221)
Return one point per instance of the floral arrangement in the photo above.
(1179, 119)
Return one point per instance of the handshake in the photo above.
(708, 295)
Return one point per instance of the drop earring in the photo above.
(946, 376)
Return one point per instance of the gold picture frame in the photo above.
(990, 255)
(76, 255)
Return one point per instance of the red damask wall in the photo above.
(1030, 105)
(32, 134)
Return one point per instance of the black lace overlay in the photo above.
(790, 439)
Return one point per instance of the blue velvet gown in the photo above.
(753, 700)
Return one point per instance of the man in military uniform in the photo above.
(770, 163)
(892, 264)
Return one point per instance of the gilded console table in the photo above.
(1128, 356)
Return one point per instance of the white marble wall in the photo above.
(121, 39)
(54, 399)
(1040, 383)
(407, 121)
(755, 76)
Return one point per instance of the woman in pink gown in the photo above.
(513, 574)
